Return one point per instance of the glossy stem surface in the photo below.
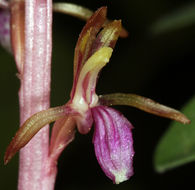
(34, 94)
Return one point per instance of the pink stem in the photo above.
(34, 94)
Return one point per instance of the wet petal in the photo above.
(144, 104)
(113, 143)
(31, 127)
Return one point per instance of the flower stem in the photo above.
(34, 94)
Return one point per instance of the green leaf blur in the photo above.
(182, 17)
(177, 145)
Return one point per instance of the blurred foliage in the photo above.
(183, 17)
(177, 145)
(156, 66)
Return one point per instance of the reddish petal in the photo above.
(144, 104)
(80, 12)
(84, 122)
(85, 96)
(85, 89)
(62, 134)
(17, 33)
(30, 128)
(108, 36)
(85, 41)
(113, 143)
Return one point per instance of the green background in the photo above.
(158, 65)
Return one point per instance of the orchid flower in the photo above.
(112, 137)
